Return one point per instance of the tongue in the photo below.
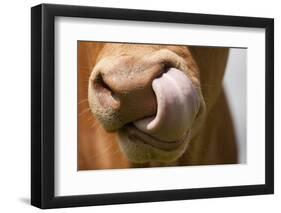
(177, 105)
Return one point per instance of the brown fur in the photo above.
(212, 143)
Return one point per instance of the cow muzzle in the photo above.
(147, 103)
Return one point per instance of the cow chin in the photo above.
(148, 149)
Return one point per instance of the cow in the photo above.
(150, 105)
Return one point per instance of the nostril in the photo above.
(106, 96)
(101, 84)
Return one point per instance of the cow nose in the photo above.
(127, 90)
(105, 93)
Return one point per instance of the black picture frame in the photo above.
(43, 117)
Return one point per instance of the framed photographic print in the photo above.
(140, 106)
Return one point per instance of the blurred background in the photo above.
(235, 87)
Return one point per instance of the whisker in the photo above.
(116, 152)
(84, 111)
(90, 118)
(123, 158)
(84, 100)
(104, 151)
(94, 126)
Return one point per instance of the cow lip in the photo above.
(134, 133)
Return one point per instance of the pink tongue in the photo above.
(177, 106)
